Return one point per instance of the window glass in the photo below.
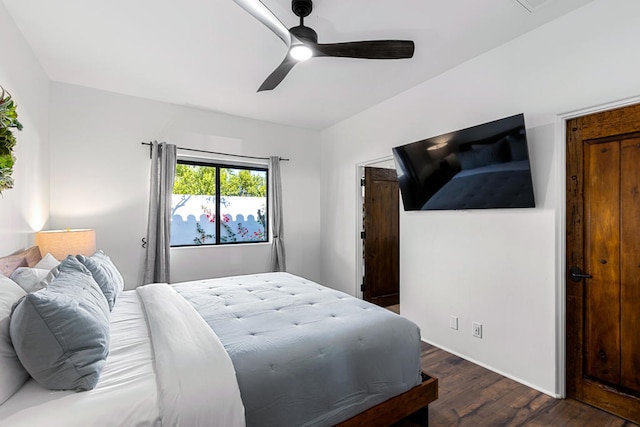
(243, 205)
(218, 204)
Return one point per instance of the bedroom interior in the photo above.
(79, 163)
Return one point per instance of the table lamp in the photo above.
(61, 243)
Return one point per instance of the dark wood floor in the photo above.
(470, 395)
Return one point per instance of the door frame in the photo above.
(359, 224)
(561, 230)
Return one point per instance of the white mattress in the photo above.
(126, 394)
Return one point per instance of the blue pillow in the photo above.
(518, 147)
(105, 274)
(61, 333)
(484, 155)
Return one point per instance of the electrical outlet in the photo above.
(476, 329)
(453, 322)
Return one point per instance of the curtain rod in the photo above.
(215, 152)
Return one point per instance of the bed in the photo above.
(267, 349)
(500, 185)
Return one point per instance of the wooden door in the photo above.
(381, 237)
(603, 260)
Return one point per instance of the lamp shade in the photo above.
(61, 243)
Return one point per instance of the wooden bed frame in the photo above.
(412, 403)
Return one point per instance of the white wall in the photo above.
(24, 208)
(497, 267)
(100, 178)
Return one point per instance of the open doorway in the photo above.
(377, 212)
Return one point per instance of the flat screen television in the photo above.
(481, 167)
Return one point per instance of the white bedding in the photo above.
(125, 395)
(132, 387)
(196, 378)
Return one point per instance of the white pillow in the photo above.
(29, 278)
(47, 262)
(13, 373)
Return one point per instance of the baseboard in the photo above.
(497, 371)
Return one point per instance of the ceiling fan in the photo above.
(302, 41)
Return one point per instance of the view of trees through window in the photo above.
(218, 204)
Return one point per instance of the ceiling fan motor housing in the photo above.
(304, 33)
(302, 8)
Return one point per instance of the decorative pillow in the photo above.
(105, 274)
(518, 147)
(484, 155)
(13, 375)
(49, 277)
(61, 333)
(48, 262)
(29, 279)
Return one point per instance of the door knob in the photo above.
(576, 274)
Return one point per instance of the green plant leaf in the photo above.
(7, 140)
(8, 113)
(8, 120)
(6, 181)
(6, 161)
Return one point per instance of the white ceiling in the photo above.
(211, 54)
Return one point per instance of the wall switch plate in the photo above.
(453, 322)
(476, 329)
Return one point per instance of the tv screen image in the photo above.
(481, 167)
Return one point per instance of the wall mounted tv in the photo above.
(481, 167)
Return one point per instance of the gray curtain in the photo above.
(278, 259)
(163, 172)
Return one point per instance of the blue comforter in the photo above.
(305, 354)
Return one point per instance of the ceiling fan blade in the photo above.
(267, 18)
(373, 49)
(278, 74)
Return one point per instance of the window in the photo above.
(214, 204)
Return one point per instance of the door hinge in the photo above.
(363, 287)
(362, 182)
(362, 234)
